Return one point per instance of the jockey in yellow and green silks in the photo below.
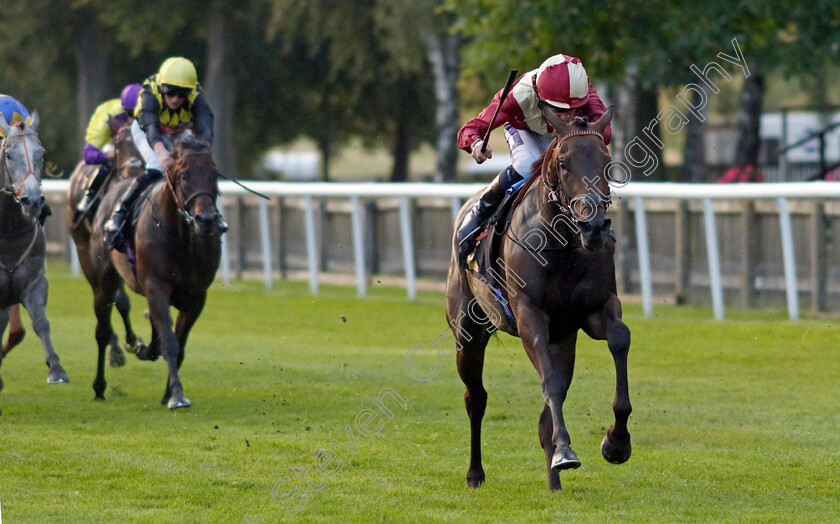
(171, 104)
(98, 144)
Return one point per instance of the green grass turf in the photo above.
(732, 422)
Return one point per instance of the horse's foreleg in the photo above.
(35, 302)
(158, 295)
(608, 325)
(546, 432)
(183, 325)
(555, 365)
(16, 330)
(133, 343)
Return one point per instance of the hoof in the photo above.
(615, 453)
(146, 353)
(564, 459)
(116, 359)
(58, 376)
(136, 346)
(475, 478)
(177, 402)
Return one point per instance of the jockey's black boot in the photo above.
(481, 211)
(115, 226)
(84, 205)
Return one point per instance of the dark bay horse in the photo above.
(129, 164)
(22, 241)
(556, 263)
(177, 245)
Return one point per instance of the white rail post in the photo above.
(265, 242)
(311, 245)
(646, 282)
(714, 258)
(225, 246)
(791, 287)
(359, 246)
(408, 248)
(75, 265)
(456, 206)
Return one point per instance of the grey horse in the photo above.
(22, 242)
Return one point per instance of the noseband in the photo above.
(560, 198)
(183, 204)
(8, 183)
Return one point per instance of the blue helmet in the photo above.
(13, 111)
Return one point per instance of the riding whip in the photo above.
(505, 92)
(243, 186)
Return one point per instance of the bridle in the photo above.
(184, 203)
(560, 198)
(8, 183)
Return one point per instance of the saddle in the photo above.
(484, 259)
(134, 213)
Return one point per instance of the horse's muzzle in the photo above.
(207, 223)
(31, 206)
(594, 233)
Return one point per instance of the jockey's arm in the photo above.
(148, 118)
(203, 119)
(98, 133)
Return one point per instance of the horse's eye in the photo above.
(562, 165)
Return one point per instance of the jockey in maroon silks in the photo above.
(559, 85)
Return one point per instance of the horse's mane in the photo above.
(191, 143)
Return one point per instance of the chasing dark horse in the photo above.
(556, 262)
(22, 242)
(128, 164)
(177, 245)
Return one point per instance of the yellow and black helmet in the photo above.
(179, 72)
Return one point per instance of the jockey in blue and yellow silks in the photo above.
(98, 140)
(171, 104)
(13, 111)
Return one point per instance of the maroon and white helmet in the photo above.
(561, 82)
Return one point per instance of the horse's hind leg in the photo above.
(133, 343)
(103, 299)
(16, 330)
(608, 325)
(471, 336)
(35, 302)
(116, 357)
(4, 319)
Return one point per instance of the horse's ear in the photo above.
(554, 121)
(113, 127)
(35, 121)
(604, 121)
(4, 126)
